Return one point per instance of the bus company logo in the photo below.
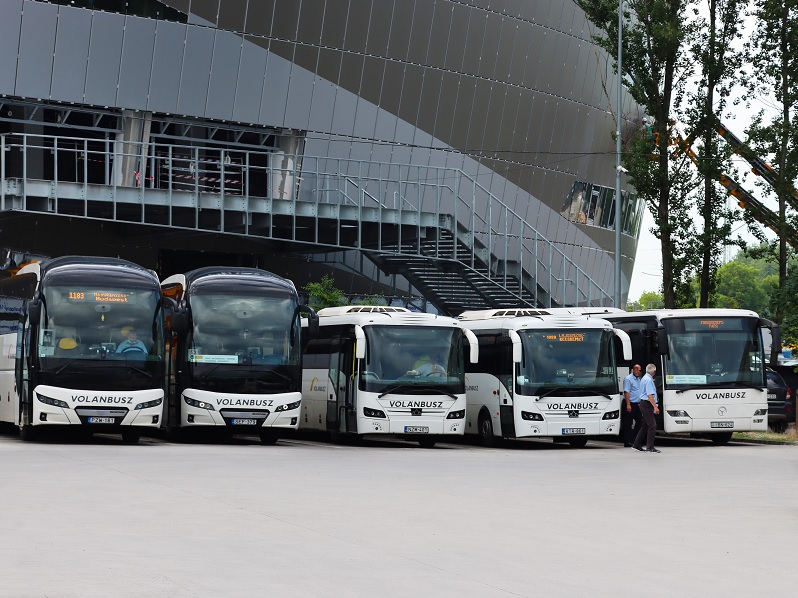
(572, 406)
(417, 404)
(740, 394)
(722, 411)
(316, 387)
(245, 402)
(102, 399)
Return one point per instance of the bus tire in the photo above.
(779, 427)
(427, 442)
(721, 438)
(578, 442)
(485, 430)
(269, 437)
(131, 436)
(27, 433)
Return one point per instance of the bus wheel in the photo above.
(427, 441)
(268, 437)
(721, 439)
(578, 442)
(27, 433)
(779, 427)
(486, 437)
(131, 436)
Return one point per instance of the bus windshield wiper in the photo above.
(570, 390)
(394, 388)
(441, 391)
(730, 384)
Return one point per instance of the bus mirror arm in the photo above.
(473, 343)
(626, 343)
(517, 347)
(180, 318)
(313, 319)
(360, 342)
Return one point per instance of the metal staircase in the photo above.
(445, 233)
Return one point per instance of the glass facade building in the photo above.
(273, 99)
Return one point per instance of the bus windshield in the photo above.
(246, 337)
(558, 361)
(712, 351)
(413, 359)
(86, 329)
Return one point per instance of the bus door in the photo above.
(341, 413)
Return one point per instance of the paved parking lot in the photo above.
(304, 518)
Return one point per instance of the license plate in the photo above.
(244, 422)
(101, 420)
(721, 424)
(416, 430)
(573, 431)
(771, 396)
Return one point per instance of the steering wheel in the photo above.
(368, 374)
(133, 348)
(437, 370)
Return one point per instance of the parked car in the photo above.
(781, 406)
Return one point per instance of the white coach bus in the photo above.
(235, 355)
(543, 375)
(83, 346)
(386, 370)
(710, 367)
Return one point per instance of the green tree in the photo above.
(773, 54)
(650, 300)
(720, 67)
(656, 62)
(740, 287)
(324, 294)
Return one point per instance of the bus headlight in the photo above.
(200, 404)
(148, 404)
(611, 415)
(289, 406)
(456, 414)
(761, 412)
(529, 415)
(52, 402)
(678, 413)
(373, 413)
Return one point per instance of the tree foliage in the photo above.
(773, 54)
(655, 65)
(324, 294)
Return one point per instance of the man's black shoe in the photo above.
(653, 450)
(638, 448)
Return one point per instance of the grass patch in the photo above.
(790, 436)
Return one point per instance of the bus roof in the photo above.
(178, 284)
(545, 321)
(364, 315)
(663, 314)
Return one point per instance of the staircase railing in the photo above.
(242, 179)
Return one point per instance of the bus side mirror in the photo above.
(775, 339)
(35, 310)
(180, 318)
(473, 343)
(313, 319)
(518, 354)
(662, 342)
(360, 342)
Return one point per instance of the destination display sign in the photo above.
(566, 337)
(98, 296)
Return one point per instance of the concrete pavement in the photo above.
(99, 518)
